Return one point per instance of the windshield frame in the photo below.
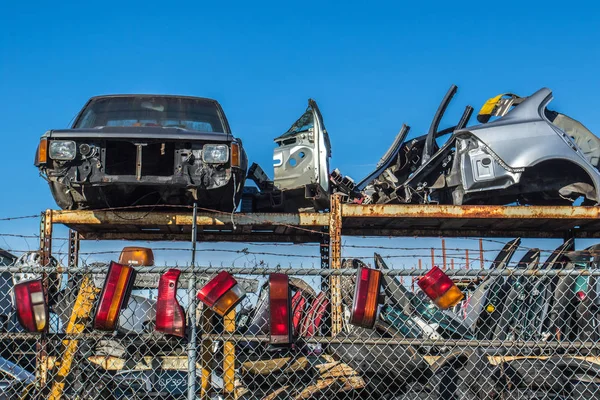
(220, 113)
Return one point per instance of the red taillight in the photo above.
(115, 294)
(366, 297)
(222, 293)
(170, 317)
(30, 303)
(440, 288)
(280, 309)
(581, 295)
(298, 303)
(312, 322)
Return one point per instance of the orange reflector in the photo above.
(235, 155)
(43, 151)
(366, 297)
(440, 288)
(138, 256)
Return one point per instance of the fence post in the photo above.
(192, 305)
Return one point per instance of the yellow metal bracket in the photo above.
(77, 322)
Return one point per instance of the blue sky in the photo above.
(370, 66)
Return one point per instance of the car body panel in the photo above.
(514, 297)
(301, 169)
(476, 315)
(303, 152)
(508, 160)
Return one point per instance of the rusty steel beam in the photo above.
(473, 212)
(303, 237)
(167, 218)
(483, 232)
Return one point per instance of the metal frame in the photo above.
(325, 228)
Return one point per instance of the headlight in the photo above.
(215, 153)
(62, 150)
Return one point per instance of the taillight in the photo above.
(366, 297)
(170, 317)
(315, 315)
(440, 288)
(298, 303)
(280, 309)
(139, 256)
(222, 293)
(235, 155)
(30, 303)
(581, 295)
(42, 156)
(115, 294)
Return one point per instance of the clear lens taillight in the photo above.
(280, 309)
(222, 293)
(30, 303)
(115, 294)
(170, 317)
(366, 297)
(440, 288)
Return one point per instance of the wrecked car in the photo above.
(125, 150)
(528, 155)
(300, 165)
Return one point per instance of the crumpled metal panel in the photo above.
(303, 152)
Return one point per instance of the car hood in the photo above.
(141, 132)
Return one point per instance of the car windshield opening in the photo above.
(139, 111)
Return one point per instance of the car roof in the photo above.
(108, 96)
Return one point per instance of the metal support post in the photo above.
(325, 250)
(46, 237)
(192, 305)
(46, 253)
(482, 265)
(229, 357)
(73, 249)
(443, 254)
(432, 257)
(335, 239)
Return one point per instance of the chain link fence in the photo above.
(524, 331)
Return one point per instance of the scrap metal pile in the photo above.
(520, 152)
(523, 330)
(171, 150)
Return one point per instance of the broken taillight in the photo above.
(440, 288)
(115, 294)
(222, 293)
(30, 303)
(316, 313)
(170, 317)
(280, 309)
(366, 297)
(298, 303)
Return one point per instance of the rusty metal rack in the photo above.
(356, 220)
(324, 228)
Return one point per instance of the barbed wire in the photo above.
(19, 217)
